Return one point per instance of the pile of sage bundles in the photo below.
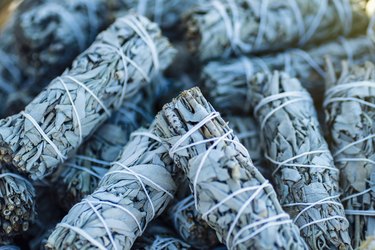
(111, 136)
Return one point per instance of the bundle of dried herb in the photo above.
(220, 29)
(120, 61)
(247, 131)
(350, 116)
(136, 189)
(17, 197)
(229, 192)
(228, 82)
(79, 176)
(167, 13)
(305, 176)
(190, 225)
(50, 35)
(159, 237)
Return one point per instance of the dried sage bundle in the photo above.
(228, 82)
(247, 131)
(350, 115)
(80, 175)
(167, 13)
(114, 68)
(229, 192)
(136, 189)
(305, 176)
(219, 29)
(17, 205)
(51, 34)
(159, 237)
(190, 226)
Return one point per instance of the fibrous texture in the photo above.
(80, 175)
(219, 29)
(17, 205)
(228, 82)
(229, 192)
(350, 114)
(159, 237)
(305, 176)
(190, 226)
(120, 61)
(167, 13)
(136, 189)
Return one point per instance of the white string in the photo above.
(263, 23)
(44, 135)
(74, 108)
(338, 152)
(139, 176)
(360, 212)
(147, 134)
(180, 207)
(344, 10)
(103, 222)
(135, 24)
(162, 243)
(269, 222)
(285, 163)
(247, 134)
(229, 27)
(91, 93)
(84, 169)
(346, 46)
(84, 234)
(323, 220)
(94, 160)
(308, 58)
(15, 176)
(356, 194)
(299, 17)
(315, 23)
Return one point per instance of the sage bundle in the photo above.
(247, 131)
(79, 176)
(120, 61)
(17, 205)
(167, 13)
(136, 189)
(305, 176)
(228, 82)
(159, 237)
(229, 192)
(350, 115)
(190, 226)
(220, 29)
(50, 35)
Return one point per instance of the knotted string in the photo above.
(256, 190)
(162, 243)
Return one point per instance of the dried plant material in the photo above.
(159, 237)
(350, 115)
(228, 82)
(247, 131)
(368, 244)
(51, 34)
(114, 68)
(10, 247)
(17, 196)
(220, 29)
(167, 13)
(5, 11)
(190, 225)
(305, 176)
(79, 176)
(136, 189)
(229, 192)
